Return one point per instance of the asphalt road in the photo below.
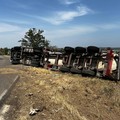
(4, 61)
(6, 80)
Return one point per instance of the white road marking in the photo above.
(3, 94)
(6, 90)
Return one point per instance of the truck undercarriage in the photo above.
(90, 61)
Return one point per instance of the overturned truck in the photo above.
(26, 55)
(15, 55)
(31, 56)
(90, 61)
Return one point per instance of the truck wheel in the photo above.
(75, 71)
(80, 50)
(88, 73)
(64, 69)
(93, 49)
(68, 49)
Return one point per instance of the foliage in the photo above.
(4, 51)
(23, 42)
(34, 38)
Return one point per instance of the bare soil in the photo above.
(61, 96)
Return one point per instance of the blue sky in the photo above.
(65, 22)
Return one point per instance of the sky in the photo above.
(65, 22)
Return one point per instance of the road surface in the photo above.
(6, 80)
(4, 61)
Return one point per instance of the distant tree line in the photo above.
(4, 51)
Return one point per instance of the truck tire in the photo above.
(80, 50)
(68, 49)
(64, 69)
(88, 73)
(75, 71)
(93, 49)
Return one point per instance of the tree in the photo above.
(24, 42)
(5, 51)
(34, 38)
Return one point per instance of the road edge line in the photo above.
(6, 92)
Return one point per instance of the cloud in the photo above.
(109, 26)
(20, 5)
(70, 32)
(10, 40)
(10, 34)
(64, 16)
(8, 28)
(11, 30)
(71, 36)
(16, 21)
(68, 2)
(80, 30)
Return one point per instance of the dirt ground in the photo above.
(60, 96)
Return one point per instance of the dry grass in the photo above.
(66, 96)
